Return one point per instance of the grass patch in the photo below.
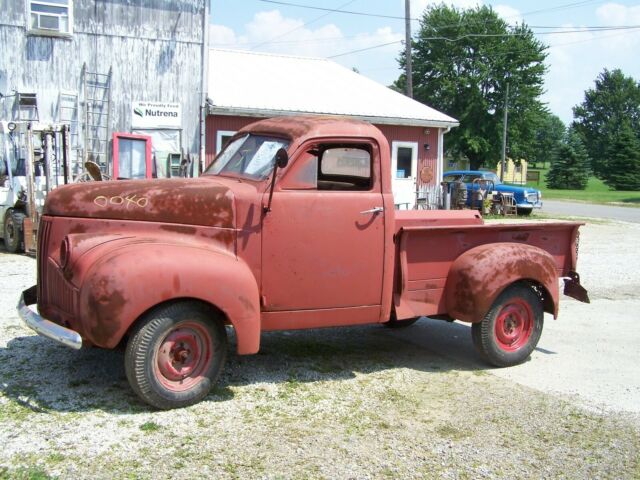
(595, 192)
(149, 427)
(24, 473)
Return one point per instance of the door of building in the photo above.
(404, 166)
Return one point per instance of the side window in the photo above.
(344, 168)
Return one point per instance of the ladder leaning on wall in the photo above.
(97, 117)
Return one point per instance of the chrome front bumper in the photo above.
(44, 327)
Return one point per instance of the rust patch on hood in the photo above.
(190, 201)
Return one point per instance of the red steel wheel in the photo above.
(513, 325)
(511, 329)
(184, 356)
(175, 354)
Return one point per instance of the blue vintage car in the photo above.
(526, 198)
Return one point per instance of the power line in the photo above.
(592, 29)
(301, 26)
(335, 10)
(396, 17)
(480, 35)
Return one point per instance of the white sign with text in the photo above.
(156, 115)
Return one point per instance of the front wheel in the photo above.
(175, 355)
(524, 212)
(511, 329)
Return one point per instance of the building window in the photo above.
(50, 17)
(222, 137)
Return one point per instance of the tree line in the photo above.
(465, 61)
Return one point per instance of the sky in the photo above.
(575, 59)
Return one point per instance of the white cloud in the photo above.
(508, 14)
(616, 14)
(272, 32)
(576, 59)
(222, 36)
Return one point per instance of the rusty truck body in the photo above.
(293, 226)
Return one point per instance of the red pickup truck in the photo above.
(293, 226)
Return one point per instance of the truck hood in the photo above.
(191, 201)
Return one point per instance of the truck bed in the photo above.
(428, 242)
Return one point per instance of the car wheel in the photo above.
(175, 355)
(525, 212)
(511, 329)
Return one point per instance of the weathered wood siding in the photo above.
(155, 48)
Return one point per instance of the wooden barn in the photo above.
(246, 86)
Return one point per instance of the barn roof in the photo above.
(265, 84)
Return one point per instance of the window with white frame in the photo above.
(50, 16)
(222, 137)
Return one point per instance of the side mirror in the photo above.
(282, 158)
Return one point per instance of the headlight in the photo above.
(65, 252)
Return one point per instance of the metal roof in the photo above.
(265, 84)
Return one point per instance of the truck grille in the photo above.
(53, 289)
(44, 231)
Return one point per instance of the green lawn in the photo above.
(596, 192)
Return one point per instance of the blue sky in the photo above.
(574, 61)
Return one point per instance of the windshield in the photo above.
(249, 156)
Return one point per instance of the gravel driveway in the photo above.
(343, 403)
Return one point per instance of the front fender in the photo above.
(480, 274)
(128, 279)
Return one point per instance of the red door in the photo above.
(323, 240)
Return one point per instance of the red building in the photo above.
(245, 86)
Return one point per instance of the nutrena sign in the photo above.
(156, 115)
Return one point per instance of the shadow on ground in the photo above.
(43, 376)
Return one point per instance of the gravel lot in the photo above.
(346, 403)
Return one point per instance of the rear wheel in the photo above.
(175, 355)
(511, 329)
(13, 231)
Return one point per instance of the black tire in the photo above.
(14, 232)
(175, 354)
(524, 212)
(511, 329)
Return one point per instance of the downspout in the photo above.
(440, 164)
(203, 87)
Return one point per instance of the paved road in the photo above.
(576, 209)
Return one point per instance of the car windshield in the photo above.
(249, 156)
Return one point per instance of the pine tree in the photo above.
(623, 160)
(570, 170)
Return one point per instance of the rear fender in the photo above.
(480, 274)
(127, 280)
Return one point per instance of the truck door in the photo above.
(323, 240)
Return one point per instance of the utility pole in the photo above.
(504, 133)
(407, 42)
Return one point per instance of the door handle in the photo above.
(373, 210)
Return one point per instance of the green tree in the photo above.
(462, 63)
(614, 100)
(549, 134)
(570, 170)
(623, 159)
